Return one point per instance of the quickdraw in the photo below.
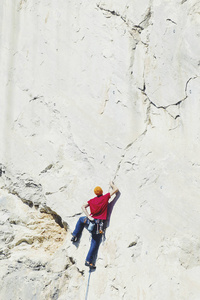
(100, 226)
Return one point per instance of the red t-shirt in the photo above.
(98, 206)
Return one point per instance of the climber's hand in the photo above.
(91, 218)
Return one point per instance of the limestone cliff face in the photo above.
(93, 91)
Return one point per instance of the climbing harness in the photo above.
(100, 226)
(99, 229)
(86, 295)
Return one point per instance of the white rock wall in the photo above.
(92, 92)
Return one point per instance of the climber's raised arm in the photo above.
(114, 189)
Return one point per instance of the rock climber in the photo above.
(98, 214)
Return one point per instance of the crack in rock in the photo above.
(126, 149)
(137, 28)
(47, 168)
(147, 18)
(104, 106)
(2, 170)
(132, 244)
(143, 90)
(35, 98)
(170, 20)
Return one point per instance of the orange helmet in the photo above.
(98, 191)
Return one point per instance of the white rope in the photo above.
(88, 285)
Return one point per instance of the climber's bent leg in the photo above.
(79, 227)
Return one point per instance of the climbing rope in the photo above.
(86, 295)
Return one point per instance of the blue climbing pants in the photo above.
(95, 241)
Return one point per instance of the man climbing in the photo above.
(98, 208)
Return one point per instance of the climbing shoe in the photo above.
(90, 265)
(74, 239)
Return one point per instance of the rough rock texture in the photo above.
(93, 91)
